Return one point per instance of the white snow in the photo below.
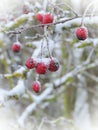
(21, 70)
(18, 90)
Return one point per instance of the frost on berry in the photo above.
(36, 87)
(53, 65)
(39, 17)
(41, 68)
(30, 63)
(81, 33)
(16, 47)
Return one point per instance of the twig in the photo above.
(32, 106)
(59, 82)
(85, 12)
(41, 124)
(74, 12)
(91, 76)
(39, 25)
(21, 30)
(35, 37)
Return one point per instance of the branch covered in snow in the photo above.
(63, 23)
(33, 106)
(18, 91)
(69, 76)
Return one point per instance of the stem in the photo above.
(37, 77)
(17, 37)
(46, 37)
(85, 12)
(48, 48)
(74, 12)
(42, 49)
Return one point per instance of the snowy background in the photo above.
(69, 97)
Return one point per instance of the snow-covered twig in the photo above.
(18, 73)
(67, 22)
(18, 91)
(35, 37)
(33, 106)
(56, 121)
(69, 76)
(85, 12)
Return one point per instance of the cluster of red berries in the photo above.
(44, 19)
(46, 64)
(82, 33)
(41, 67)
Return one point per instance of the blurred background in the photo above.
(73, 102)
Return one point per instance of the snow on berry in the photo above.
(47, 18)
(30, 63)
(36, 87)
(16, 47)
(41, 68)
(39, 17)
(53, 65)
(81, 33)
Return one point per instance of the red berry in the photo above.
(41, 68)
(53, 65)
(47, 18)
(16, 47)
(30, 63)
(36, 87)
(39, 17)
(81, 33)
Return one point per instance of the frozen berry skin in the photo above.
(30, 63)
(81, 33)
(41, 68)
(36, 87)
(16, 47)
(53, 65)
(39, 17)
(47, 18)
